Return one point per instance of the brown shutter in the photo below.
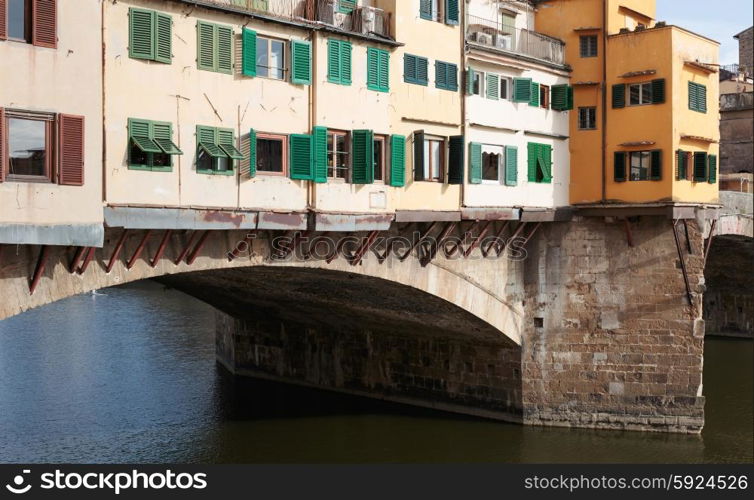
(71, 153)
(3, 19)
(2, 142)
(44, 21)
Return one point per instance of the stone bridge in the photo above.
(579, 320)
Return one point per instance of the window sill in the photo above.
(378, 89)
(224, 72)
(217, 172)
(420, 83)
(150, 169)
(28, 179)
(338, 82)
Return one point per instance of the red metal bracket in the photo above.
(87, 260)
(688, 239)
(708, 242)
(529, 236)
(364, 248)
(139, 249)
(475, 242)
(338, 248)
(496, 241)
(116, 251)
(435, 246)
(44, 252)
(161, 248)
(74, 265)
(246, 241)
(416, 243)
(186, 248)
(683, 264)
(198, 248)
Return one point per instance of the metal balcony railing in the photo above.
(361, 19)
(493, 33)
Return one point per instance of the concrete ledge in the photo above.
(546, 215)
(282, 221)
(352, 222)
(426, 216)
(179, 218)
(80, 235)
(490, 213)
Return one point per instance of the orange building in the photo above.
(646, 114)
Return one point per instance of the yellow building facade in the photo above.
(645, 122)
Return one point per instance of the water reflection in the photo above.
(130, 376)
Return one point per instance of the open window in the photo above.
(151, 145)
(215, 151)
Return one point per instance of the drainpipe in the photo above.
(310, 202)
(102, 91)
(604, 101)
(464, 23)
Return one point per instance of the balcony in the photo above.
(493, 34)
(362, 19)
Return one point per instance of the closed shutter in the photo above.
(319, 136)
(248, 169)
(71, 155)
(248, 52)
(451, 12)
(531, 161)
(700, 167)
(455, 159)
(384, 78)
(493, 87)
(334, 74)
(559, 97)
(205, 46)
(475, 163)
(44, 23)
(511, 165)
(534, 97)
(680, 172)
(569, 100)
(701, 98)
(470, 81)
(441, 75)
(163, 51)
(658, 91)
(409, 69)
(452, 78)
(619, 166)
(425, 9)
(301, 165)
(224, 49)
(522, 89)
(362, 157)
(398, 161)
(345, 62)
(712, 178)
(655, 167)
(619, 95)
(2, 141)
(373, 69)
(301, 57)
(140, 36)
(419, 155)
(3, 22)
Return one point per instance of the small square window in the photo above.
(492, 164)
(588, 118)
(19, 20)
(434, 159)
(380, 149)
(270, 58)
(338, 154)
(477, 83)
(640, 94)
(29, 147)
(505, 85)
(640, 162)
(271, 154)
(588, 45)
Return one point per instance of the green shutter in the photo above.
(455, 159)
(511, 165)
(398, 161)
(333, 61)
(569, 101)
(422, 70)
(373, 69)
(619, 166)
(345, 62)
(301, 165)
(141, 34)
(207, 139)
(619, 95)
(441, 75)
(346, 6)
(226, 142)
(205, 46)
(319, 136)
(532, 155)
(452, 78)
(493, 87)
(712, 169)
(248, 52)
(425, 9)
(419, 155)
(163, 51)
(140, 133)
(544, 159)
(252, 170)
(655, 167)
(658, 91)
(681, 168)
(301, 62)
(697, 97)
(470, 81)
(534, 97)
(559, 97)
(362, 152)
(522, 89)
(409, 68)
(224, 49)
(162, 133)
(700, 167)
(451, 12)
(384, 79)
(475, 163)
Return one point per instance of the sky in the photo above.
(719, 20)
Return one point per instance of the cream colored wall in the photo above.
(690, 47)
(187, 97)
(351, 107)
(415, 107)
(486, 117)
(490, 10)
(620, 18)
(63, 80)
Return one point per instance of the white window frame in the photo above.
(497, 150)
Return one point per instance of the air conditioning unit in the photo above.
(504, 42)
(326, 11)
(369, 20)
(482, 38)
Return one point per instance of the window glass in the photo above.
(27, 147)
(161, 160)
(19, 19)
(640, 93)
(491, 166)
(137, 156)
(269, 155)
(277, 62)
(503, 88)
(223, 164)
(204, 161)
(427, 159)
(436, 150)
(262, 57)
(477, 86)
(379, 158)
(337, 155)
(639, 165)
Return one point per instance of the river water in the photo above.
(128, 375)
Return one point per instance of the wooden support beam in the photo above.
(139, 249)
(87, 260)
(74, 264)
(708, 242)
(198, 248)
(161, 248)
(683, 264)
(39, 270)
(186, 248)
(364, 248)
(116, 251)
